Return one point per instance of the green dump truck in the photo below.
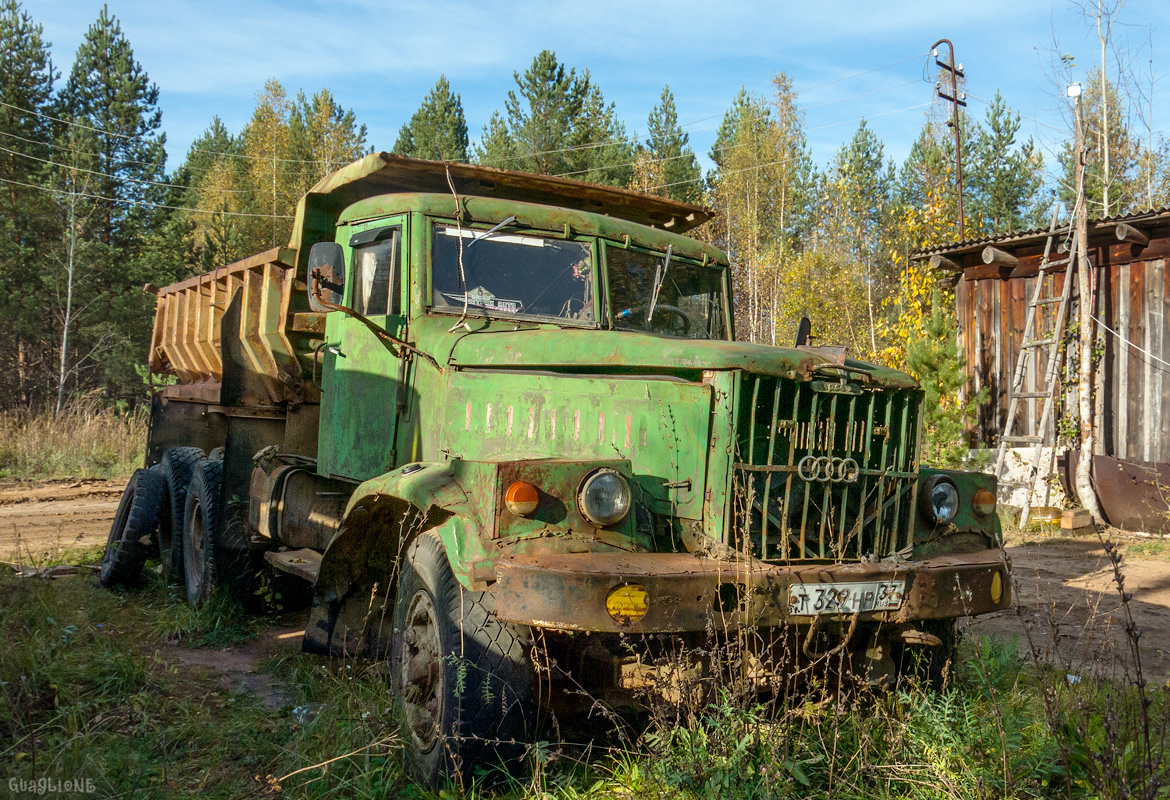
(501, 424)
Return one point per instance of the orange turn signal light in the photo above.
(522, 498)
(983, 503)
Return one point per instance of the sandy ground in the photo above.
(1069, 609)
(43, 519)
(1067, 603)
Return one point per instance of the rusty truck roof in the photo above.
(385, 173)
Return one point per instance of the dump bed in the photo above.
(274, 337)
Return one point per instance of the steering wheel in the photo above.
(676, 322)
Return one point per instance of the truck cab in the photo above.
(501, 424)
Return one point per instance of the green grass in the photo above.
(87, 439)
(1148, 549)
(92, 686)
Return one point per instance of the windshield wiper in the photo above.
(659, 279)
(488, 233)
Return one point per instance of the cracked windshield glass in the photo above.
(505, 275)
(687, 301)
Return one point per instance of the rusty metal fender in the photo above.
(359, 569)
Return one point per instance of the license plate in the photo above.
(806, 599)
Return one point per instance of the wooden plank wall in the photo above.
(1132, 390)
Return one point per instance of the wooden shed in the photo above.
(1131, 289)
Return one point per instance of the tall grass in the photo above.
(88, 439)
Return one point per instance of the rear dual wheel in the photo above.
(134, 529)
(210, 561)
(178, 466)
(202, 538)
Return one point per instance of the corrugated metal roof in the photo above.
(1027, 237)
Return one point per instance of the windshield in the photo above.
(690, 300)
(506, 275)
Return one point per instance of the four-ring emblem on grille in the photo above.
(828, 470)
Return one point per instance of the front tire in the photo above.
(463, 680)
(932, 667)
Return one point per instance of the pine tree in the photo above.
(1004, 183)
(27, 221)
(210, 235)
(558, 123)
(108, 90)
(600, 150)
(109, 95)
(859, 205)
(670, 161)
(936, 361)
(438, 130)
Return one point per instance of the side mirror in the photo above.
(325, 274)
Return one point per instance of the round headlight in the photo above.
(940, 500)
(604, 498)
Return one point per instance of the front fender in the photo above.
(352, 599)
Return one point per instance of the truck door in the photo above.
(362, 377)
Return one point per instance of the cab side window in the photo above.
(375, 267)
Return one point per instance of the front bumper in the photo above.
(690, 593)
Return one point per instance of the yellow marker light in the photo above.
(996, 587)
(522, 498)
(983, 503)
(627, 603)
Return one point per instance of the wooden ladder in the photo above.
(1044, 434)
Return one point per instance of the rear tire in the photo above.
(463, 680)
(202, 528)
(134, 528)
(178, 464)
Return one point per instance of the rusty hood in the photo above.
(622, 351)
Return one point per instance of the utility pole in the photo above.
(1083, 478)
(956, 100)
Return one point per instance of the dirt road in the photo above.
(1067, 601)
(44, 519)
(1066, 596)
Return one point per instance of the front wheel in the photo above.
(933, 667)
(463, 680)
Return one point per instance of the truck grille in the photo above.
(824, 470)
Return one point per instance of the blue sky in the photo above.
(210, 57)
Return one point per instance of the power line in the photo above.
(828, 83)
(766, 164)
(143, 202)
(987, 102)
(126, 136)
(130, 136)
(863, 94)
(584, 146)
(118, 177)
(725, 148)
